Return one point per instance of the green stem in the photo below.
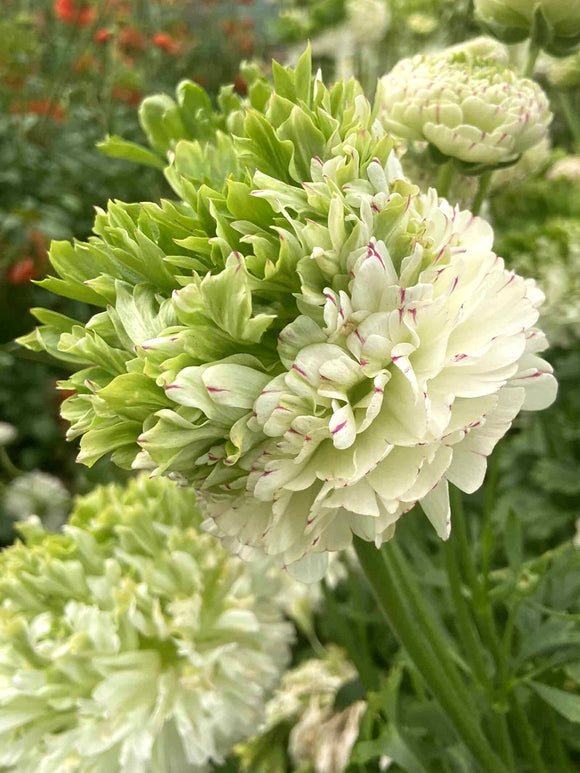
(440, 643)
(410, 633)
(484, 615)
(445, 178)
(524, 730)
(6, 462)
(570, 116)
(482, 188)
(532, 55)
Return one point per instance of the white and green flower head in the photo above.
(312, 343)
(552, 24)
(131, 641)
(467, 103)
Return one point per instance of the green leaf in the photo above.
(392, 745)
(565, 703)
(196, 110)
(284, 81)
(303, 76)
(117, 147)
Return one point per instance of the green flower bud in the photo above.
(132, 641)
(552, 24)
(467, 104)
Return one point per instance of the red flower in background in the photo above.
(22, 272)
(72, 12)
(128, 95)
(39, 107)
(165, 42)
(131, 39)
(102, 36)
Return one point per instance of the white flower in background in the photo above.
(553, 24)
(563, 73)
(37, 493)
(131, 643)
(325, 742)
(465, 102)
(7, 433)
(568, 168)
(320, 737)
(367, 20)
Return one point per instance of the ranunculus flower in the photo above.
(22, 272)
(102, 36)
(467, 103)
(74, 12)
(131, 39)
(304, 337)
(165, 42)
(553, 24)
(132, 642)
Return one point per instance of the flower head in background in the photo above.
(131, 642)
(304, 337)
(467, 103)
(8, 433)
(552, 24)
(301, 720)
(37, 493)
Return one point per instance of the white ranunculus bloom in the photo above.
(400, 383)
(131, 643)
(467, 103)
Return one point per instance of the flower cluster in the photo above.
(131, 642)
(305, 337)
(467, 103)
(552, 24)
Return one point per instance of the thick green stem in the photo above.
(411, 634)
(532, 55)
(484, 615)
(482, 188)
(440, 643)
(445, 178)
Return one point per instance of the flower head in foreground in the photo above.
(312, 343)
(131, 642)
(552, 24)
(467, 103)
